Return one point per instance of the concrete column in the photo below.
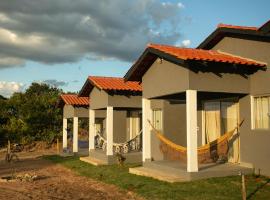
(109, 130)
(75, 134)
(64, 134)
(92, 129)
(191, 116)
(146, 137)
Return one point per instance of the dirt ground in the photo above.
(54, 182)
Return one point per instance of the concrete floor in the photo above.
(81, 152)
(99, 157)
(175, 171)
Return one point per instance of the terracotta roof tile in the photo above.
(204, 55)
(229, 30)
(115, 83)
(73, 99)
(253, 28)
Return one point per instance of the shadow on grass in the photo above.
(260, 187)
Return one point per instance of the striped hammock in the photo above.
(207, 153)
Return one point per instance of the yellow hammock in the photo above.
(206, 153)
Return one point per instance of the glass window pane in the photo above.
(261, 112)
(157, 119)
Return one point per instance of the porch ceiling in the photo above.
(201, 95)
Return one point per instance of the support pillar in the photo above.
(109, 130)
(191, 117)
(75, 134)
(92, 129)
(64, 134)
(146, 138)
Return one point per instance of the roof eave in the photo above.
(84, 93)
(221, 32)
(131, 70)
(158, 53)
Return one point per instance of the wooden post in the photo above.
(8, 147)
(244, 194)
(57, 145)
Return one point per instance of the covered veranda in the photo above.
(198, 92)
(75, 112)
(191, 120)
(118, 132)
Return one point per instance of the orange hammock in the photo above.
(207, 153)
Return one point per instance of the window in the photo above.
(220, 116)
(261, 112)
(134, 123)
(157, 119)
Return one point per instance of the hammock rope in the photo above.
(220, 145)
(132, 144)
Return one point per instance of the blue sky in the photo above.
(195, 20)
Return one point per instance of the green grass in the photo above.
(213, 188)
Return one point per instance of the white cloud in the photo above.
(185, 43)
(8, 88)
(180, 5)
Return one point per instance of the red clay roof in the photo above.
(237, 27)
(115, 83)
(73, 99)
(204, 55)
(223, 30)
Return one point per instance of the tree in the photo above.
(33, 115)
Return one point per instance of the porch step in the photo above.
(98, 154)
(93, 161)
(175, 172)
(167, 169)
(156, 174)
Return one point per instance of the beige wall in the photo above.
(98, 99)
(81, 112)
(163, 79)
(69, 112)
(119, 126)
(250, 49)
(168, 78)
(101, 99)
(123, 101)
(211, 82)
(174, 125)
(254, 148)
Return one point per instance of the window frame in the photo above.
(153, 118)
(253, 117)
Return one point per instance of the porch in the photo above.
(114, 132)
(175, 171)
(98, 157)
(75, 120)
(199, 119)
